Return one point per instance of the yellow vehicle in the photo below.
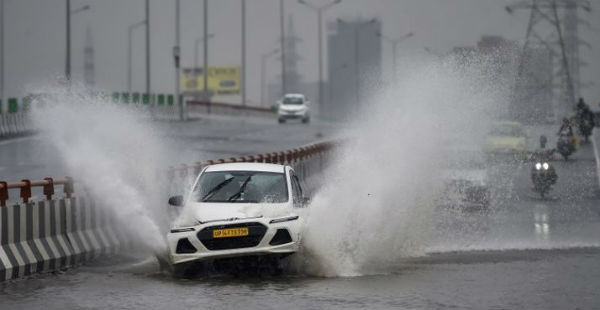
(507, 139)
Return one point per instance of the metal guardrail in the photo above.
(281, 157)
(25, 186)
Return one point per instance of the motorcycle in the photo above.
(585, 128)
(543, 177)
(565, 145)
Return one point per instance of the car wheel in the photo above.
(281, 121)
(306, 120)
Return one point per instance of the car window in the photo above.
(296, 189)
(293, 100)
(241, 186)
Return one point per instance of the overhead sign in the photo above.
(222, 81)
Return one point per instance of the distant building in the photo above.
(354, 66)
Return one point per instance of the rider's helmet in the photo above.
(543, 141)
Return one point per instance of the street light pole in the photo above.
(68, 14)
(130, 52)
(282, 33)
(243, 73)
(68, 42)
(176, 56)
(320, 11)
(205, 56)
(148, 49)
(2, 54)
(196, 52)
(263, 69)
(394, 48)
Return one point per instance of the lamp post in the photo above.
(395, 43)
(129, 52)
(320, 10)
(282, 34)
(357, 27)
(243, 73)
(176, 58)
(332, 74)
(147, 9)
(263, 69)
(69, 13)
(197, 51)
(1, 54)
(206, 96)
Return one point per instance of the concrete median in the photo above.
(52, 235)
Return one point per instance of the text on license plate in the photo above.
(230, 232)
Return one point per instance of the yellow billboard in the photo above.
(222, 81)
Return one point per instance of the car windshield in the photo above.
(506, 130)
(293, 100)
(241, 186)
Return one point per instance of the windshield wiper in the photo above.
(217, 188)
(242, 189)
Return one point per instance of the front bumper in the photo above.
(292, 114)
(258, 242)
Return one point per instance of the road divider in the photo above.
(15, 124)
(52, 234)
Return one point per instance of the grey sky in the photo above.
(34, 36)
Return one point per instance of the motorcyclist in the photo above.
(565, 128)
(543, 154)
(585, 118)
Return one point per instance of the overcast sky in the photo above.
(35, 36)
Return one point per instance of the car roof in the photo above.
(246, 167)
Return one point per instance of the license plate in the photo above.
(230, 232)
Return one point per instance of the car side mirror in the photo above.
(176, 201)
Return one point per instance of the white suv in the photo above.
(293, 106)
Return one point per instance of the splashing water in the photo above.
(377, 203)
(112, 152)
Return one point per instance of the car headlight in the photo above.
(538, 166)
(182, 229)
(284, 219)
(546, 166)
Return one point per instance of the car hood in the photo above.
(212, 212)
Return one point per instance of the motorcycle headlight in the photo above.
(538, 166)
(546, 166)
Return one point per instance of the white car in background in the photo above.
(293, 106)
(237, 215)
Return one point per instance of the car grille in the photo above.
(256, 231)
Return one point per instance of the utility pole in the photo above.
(176, 56)
(282, 29)
(320, 11)
(243, 73)
(558, 37)
(130, 52)
(148, 72)
(206, 96)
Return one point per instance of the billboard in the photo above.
(222, 81)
